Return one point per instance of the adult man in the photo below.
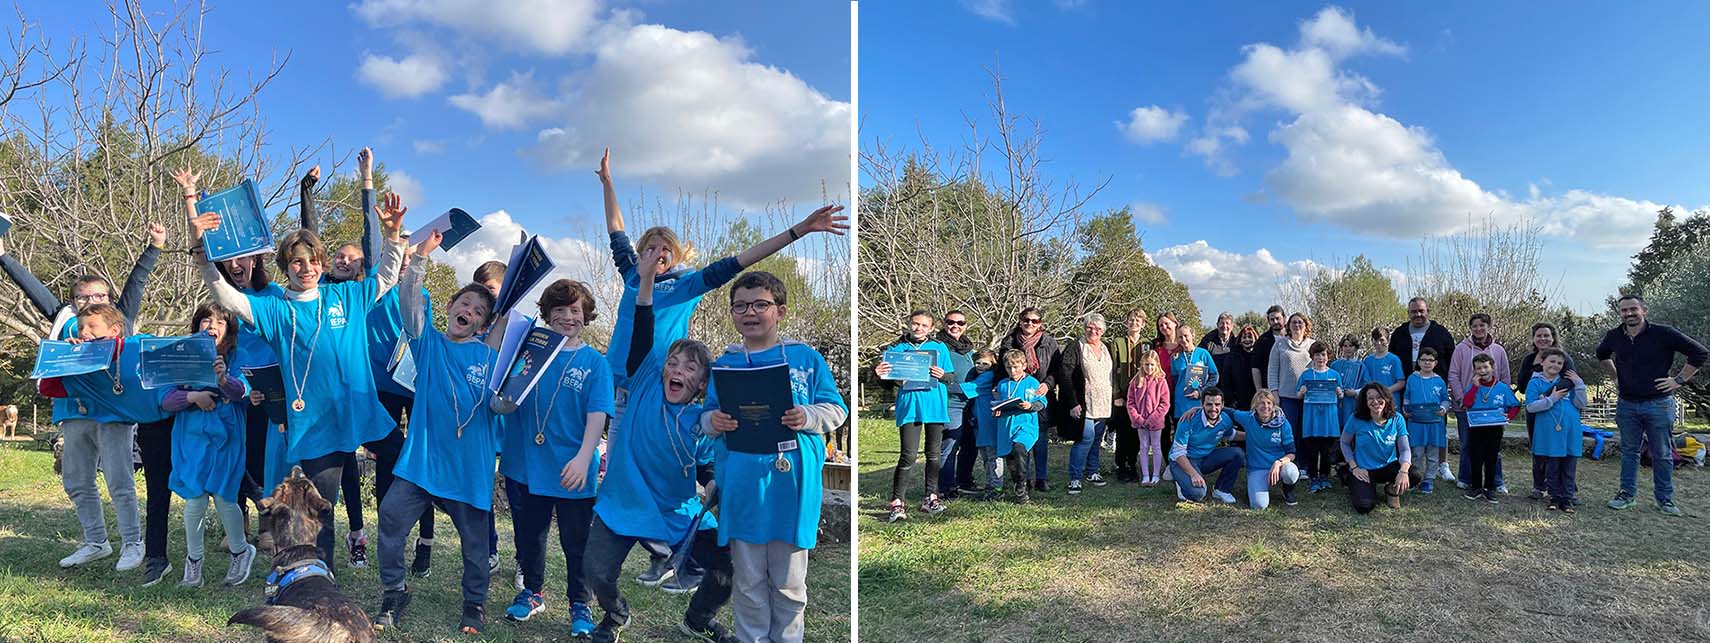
(957, 470)
(1220, 342)
(1420, 331)
(1276, 316)
(1640, 354)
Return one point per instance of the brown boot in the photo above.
(1394, 498)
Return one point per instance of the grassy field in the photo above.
(39, 602)
(1125, 563)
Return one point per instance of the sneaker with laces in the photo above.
(391, 614)
(423, 563)
(1622, 501)
(192, 573)
(1490, 497)
(155, 570)
(492, 564)
(681, 584)
(1223, 496)
(1074, 487)
(1443, 472)
(712, 632)
(1668, 508)
(897, 512)
(358, 543)
(607, 632)
(525, 605)
(1288, 496)
(1096, 480)
(656, 573)
(1427, 487)
(932, 505)
(86, 553)
(581, 620)
(1472, 493)
(241, 564)
(474, 618)
(130, 557)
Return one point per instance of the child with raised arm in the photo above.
(318, 332)
(1019, 420)
(1321, 422)
(981, 381)
(1148, 408)
(1427, 432)
(208, 450)
(770, 503)
(1556, 397)
(1496, 401)
(551, 456)
(447, 459)
(649, 490)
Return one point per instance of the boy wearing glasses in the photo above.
(770, 502)
(922, 406)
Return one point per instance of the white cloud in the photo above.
(1220, 280)
(1148, 213)
(691, 110)
(407, 77)
(509, 105)
(1333, 30)
(406, 187)
(553, 27)
(993, 10)
(428, 146)
(1151, 124)
(573, 258)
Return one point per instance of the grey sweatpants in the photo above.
(771, 591)
(88, 445)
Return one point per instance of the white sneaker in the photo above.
(1460, 485)
(1502, 489)
(239, 570)
(1444, 472)
(1168, 477)
(1223, 497)
(1179, 495)
(192, 573)
(86, 553)
(130, 557)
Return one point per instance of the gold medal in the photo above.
(782, 463)
(297, 405)
(540, 438)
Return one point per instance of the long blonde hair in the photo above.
(680, 252)
(1149, 357)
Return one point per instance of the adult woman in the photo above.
(1543, 338)
(1481, 340)
(1164, 344)
(1289, 356)
(1041, 349)
(1086, 388)
(1237, 380)
(1125, 351)
(1192, 370)
(1375, 445)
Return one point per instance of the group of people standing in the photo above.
(332, 324)
(1281, 404)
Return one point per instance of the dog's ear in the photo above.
(314, 502)
(297, 472)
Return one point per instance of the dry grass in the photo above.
(1125, 563)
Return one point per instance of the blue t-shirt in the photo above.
(1497, 396)
(1320, 420)
(577, 382)
(1556, 433)
(985, 424)
(1017, 426)
(340, 408)
(676, 293)
(1374, 445)
(1199, 438)
(451, 390)
(1425, 390)
(385, 324)
(1351, 374)
(930, 402)
(208, 447)
(1266, 442)
(649, 488)
(133, 405)
(1180, 402)
(758, 503)
(1385, 370)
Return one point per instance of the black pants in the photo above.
(911, 434)
(1020, 463)
(1363, 495)
(326, 473)
(154, 440)
(1127, 442)
(255, 430)
(1315, 454)
(1561, 474)
(531, 516)
(350, 484)
(1483, 445)
(1538, 473)
(602, 563)
(966, 452)
(714, 591)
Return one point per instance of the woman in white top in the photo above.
(1087, 389)
(1289, 356)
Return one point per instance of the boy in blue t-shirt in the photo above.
(922, 409)
(978, 389)
(1490, 404)
(1348, 370)
(447, 458)
(1383, 367)
(1017, 421)
(1427, 404)
(770, 502)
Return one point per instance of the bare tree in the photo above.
(1489, 268)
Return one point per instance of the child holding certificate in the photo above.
(1016, 404)
(1348, 369)
(769, 515)
(1490, 404)
(1426, 405)
(208, 450)
(923, 407)
(1321, 421)
(981, 382)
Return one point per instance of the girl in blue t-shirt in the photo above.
(922, 410)
(208, 450)
(1427, 403)
(981, 381)
(1348, 370)
(1556, 397)
(1320, 421)
(1384, 367)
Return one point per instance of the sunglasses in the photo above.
(1031, 321)
(955, 322)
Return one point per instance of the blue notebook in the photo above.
(528, 266)
(243, 230)
(177, 361)
(527, 358)
(64, 359)
(757, 398)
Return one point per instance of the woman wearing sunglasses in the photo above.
(1041, 350)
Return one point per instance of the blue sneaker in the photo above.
(1425, 487)
(581, 620)
(525, 605)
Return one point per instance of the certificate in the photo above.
(1321, 391)
(454, 226)
(63, 359)
(913, 367)
(268, 381)
(177, 361)
(1487, 417)
(244, 229)
(757, 398)
(1424, 412)
(1193, 378)
(1011, 405)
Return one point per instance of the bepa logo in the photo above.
(476, 375)
(335, 315)
(574, 378)
(799, 382)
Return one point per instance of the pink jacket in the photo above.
(1461, 371)
(1148, 402)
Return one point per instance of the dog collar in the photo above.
(282, 577)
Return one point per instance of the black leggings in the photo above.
(1363, 495)
(1484, 443)
(1020, 463)
(154, 440)
(905, 462)
(351, 486)
(1127, 441)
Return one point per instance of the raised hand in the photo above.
(605, 171)
(157, 235)
(313, 177)
(824, 219)
(430, 244)
(649, 263)
(365, 164)
(203, 223)
(186, 180)
(391, 212)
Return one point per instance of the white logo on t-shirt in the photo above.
(476, 375)
(799, 382)
(574, 378)
(335, 316)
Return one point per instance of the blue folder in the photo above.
(243, 230)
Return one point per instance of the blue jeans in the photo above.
(1466, 454)
(1226, 461)
(1083, 457)
(402, 507)
(1640, 420)
(1041, 452)
(953, 435)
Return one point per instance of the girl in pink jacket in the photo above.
(1148, 403)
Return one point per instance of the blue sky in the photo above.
(502, 108)
(1266, 140)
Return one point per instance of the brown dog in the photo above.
(306, 606)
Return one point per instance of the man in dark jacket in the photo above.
(957, 472)
(1041, 350)
(1640, 354)
(1277, 317)
(1419, 331)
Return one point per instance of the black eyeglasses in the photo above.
(742, 307)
